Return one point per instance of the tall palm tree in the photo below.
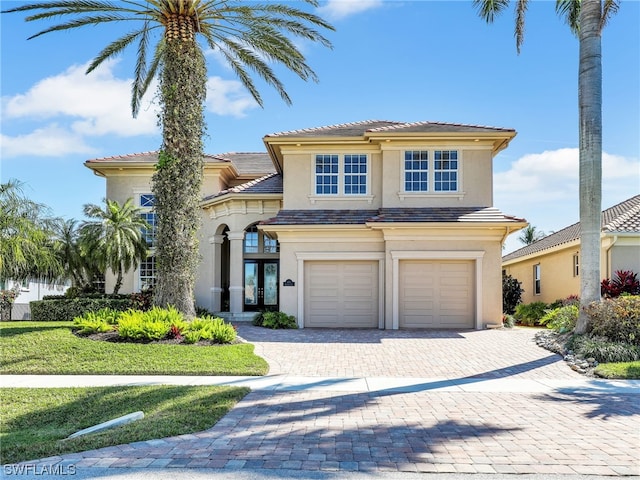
(248, 36)
(26, 232)
(114, 239)
(530, 235)
(586, 18)
(77, 264)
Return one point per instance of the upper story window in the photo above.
(147, 202)
(342, 174)
(445, 168)
(431, 171)
(326, 174)
(355, 174)
(416, 170)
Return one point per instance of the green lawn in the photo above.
(623, 370)
(51, 348)
(36, 422)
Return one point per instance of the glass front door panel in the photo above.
(270, 282)
(250, 283)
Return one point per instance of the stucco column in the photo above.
(236, 266)
(216, 272)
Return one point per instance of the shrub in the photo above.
(602, 350)
(276, 320)
(511, 294)
(562, 319)
(138, 325)
(530, 313)
(142, 300)
(93, 322)
(209, 328)
(625, 281)
(508, 321)
(617, 319)
(66, 309)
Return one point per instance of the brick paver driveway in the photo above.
(564, 430)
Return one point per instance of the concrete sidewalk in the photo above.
(290, 383)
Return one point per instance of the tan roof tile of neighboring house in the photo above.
(428, 127)
(623, 218)
(353, 129)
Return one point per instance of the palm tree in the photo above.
(248, 36)
(77, 265)
(114, 239)
(26, 232)
(530, 235)
(586, 18)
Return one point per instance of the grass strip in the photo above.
(621, 370)
(52, 349)
(36, 422)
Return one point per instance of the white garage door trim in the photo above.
(396, 256)
(302, 257)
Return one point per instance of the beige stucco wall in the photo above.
(474, 179)
(556, 275)
(386, 177)
(557, 278)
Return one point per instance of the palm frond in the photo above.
(113, 49)
(569, 11)
(488, 10)
(521, 11)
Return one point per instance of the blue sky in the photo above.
(392, 60)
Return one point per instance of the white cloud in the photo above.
(97, 104)
(51, 141)
(544, 187)
(339, 9)
(228, 97)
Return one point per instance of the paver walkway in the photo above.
(468, 402)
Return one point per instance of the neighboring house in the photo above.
(372, 224)
(549, 269)
(31, 290)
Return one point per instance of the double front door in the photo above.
(260, 285)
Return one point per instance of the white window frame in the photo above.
(537, 279)
(341, 175)
(431, 191)
(152, 250)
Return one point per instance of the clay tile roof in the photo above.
(271, 183)
(353, 129)
(358, 129)
(437, 127)
(390, 215)
(246, 163)
(150, 157)
(442, 214)
(621, 218)
(321, 217)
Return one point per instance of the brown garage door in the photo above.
(436, 294)
(341, 294)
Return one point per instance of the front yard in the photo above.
(52, 349)
(36, 422)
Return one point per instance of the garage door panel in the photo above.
(341, 294)
(436, 294)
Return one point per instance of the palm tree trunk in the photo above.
(178, 178)
(590, 106)
(116, 287)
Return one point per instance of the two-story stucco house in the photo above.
(373, 224)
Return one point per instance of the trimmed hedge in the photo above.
(61, 309)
